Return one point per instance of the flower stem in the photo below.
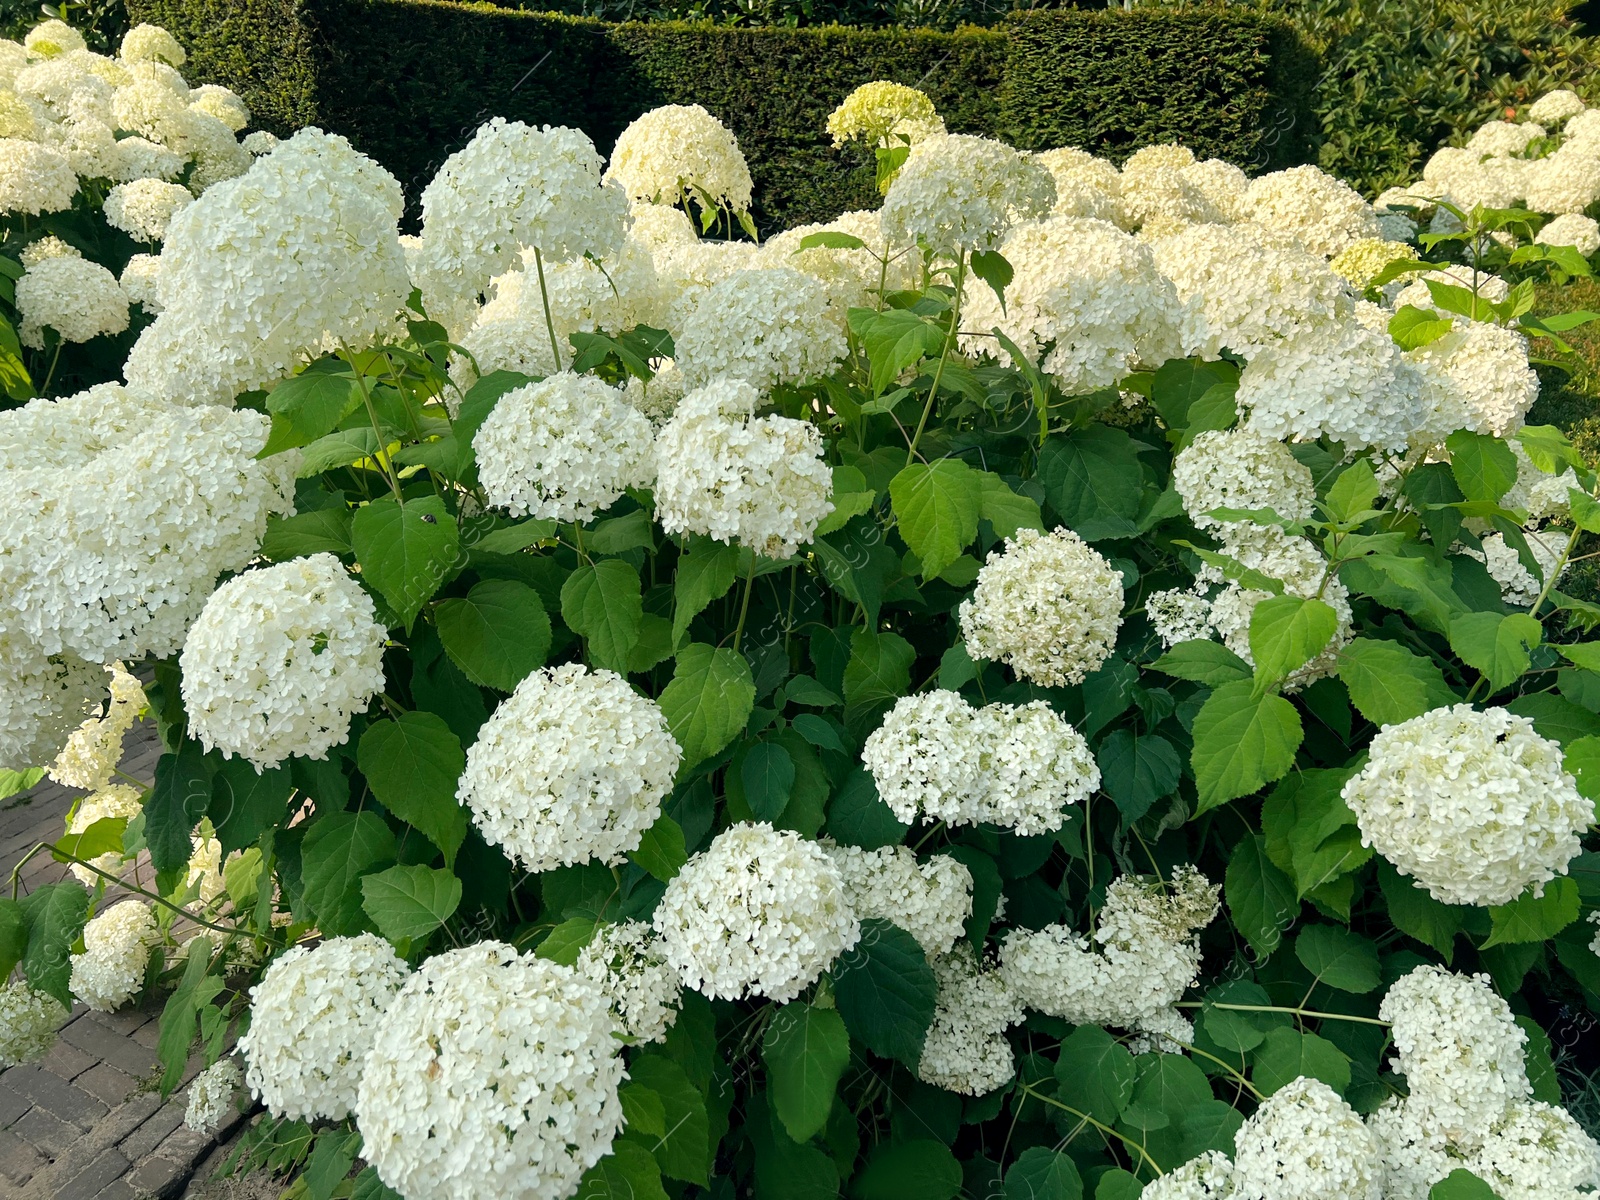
(944, 357)
(544, 295)
(744, 605)
(1308, 1013)
(1028, 1089)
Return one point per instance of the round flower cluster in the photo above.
(1018, 767)
(211, 1096)
(1360, 262)
(1476, 377)
(151, 43)
(1518, 585)
(765, 326)
(1179, 616)
(1142, 956)
(626, 962)
(571, 768)
(493, 1073)
(1223, 185)
(1554, 108)
(722, 472)
(930, 900)
(1571, 229)
(28, 1023)
(1568, 181)
(34, 179)
(885, 114)
(680, 152)
(760, 912)
(1475, 806)
(94, 750)
(313, 1017)
(143, 209)
(279, 661)
(687, 271)
(563, 449)
(1047, 605)
(116, 947)
(1305, 1141)
(959, 193)
(1323, 213)
(42, 699)
(297, 256)
(1087, 303)
(1503, 139)
(1241, 469)
(1208, 1177)
(1086, 186)
(72, 296)
(966, 1050)
(1158, 197)
(140, 279)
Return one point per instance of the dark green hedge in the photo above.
(410, 80)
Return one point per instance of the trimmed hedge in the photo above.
(408, 81)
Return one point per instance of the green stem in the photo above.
(944, 357)
(377, 429)
(44, 388)
(1555, 572)
(544, 295)
(1307, 1013)
(1028, 1089)
(744, 605)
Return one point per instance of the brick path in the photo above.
(87, 1122)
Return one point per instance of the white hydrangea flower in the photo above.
(1555, 107)
(144, 208)
(1518, 585)
(959, 193)
(1240, 468)
(571, 768)
(1158, 195)
(1475, 806)
(1209, 1177)
(279, 661)
(930, 900)
(1223, 186)
(51, 38)
(1245, 288)
(1177, 616)
(966, 1050)
(1325, 214)
(211, 1096)
(1572, 229)
(1305, 1141)
(760, 912)
(689, 270)
(1360, 262)
(1538, 1152)
(1567, 181)
(1165, 1032)
(260, 142)
(49, 246)
(297, 256)
(1087, 304)
(492, 1073)
(661, 225)
(765, 326)
(140, 281)
(139, 158)
(1476, 377)
(28, 1023)
(42, 700)
(117, 800)
(680, 151)
(203, 876)
(313, 1017)
(116, 947)
(626, 961)
(883, 115)
(1086, 186)
(564, 449)
(151, 43)
(1504, 138)
(1038, 766)
(850, 278)
(92, 753)
(1143, 955)
(658, 398)
(221, 103)
(1048, 605)
(76, 298)
(722, 472)
(929, 756)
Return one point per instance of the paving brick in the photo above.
(49, 1135)
(154, 1176)
(121, 1052)
(12, 1102)
(18, 1160)
(148, 1034)
(184, 1145)
(55, 1095)
(121, 1189)
(90, 1183)
(106, 1084)
(123, 1022)
(67, 1061)
(154, 1131)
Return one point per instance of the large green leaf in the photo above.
(1242, 741)
(708, 700)
(1497, 645)
(410, 902)
(1390, 684)
(338, 850)
(921, 1169)
(13, 935)
(704, 574)
(1287, 1054)
(1210, 663)
(629, 1172)
(1462, 1184)
(1339, 958)
(1286, 632)
(1531, 918)
(245, 803)
(878, 673)
(55, 915)
(1484, 466)
(894, 339)
(1136, 770)
(601, 602)
(178, 799)
(1041, 1173)
(768, 776)
(1166, 1086)
(1093, 480)
(936, 508)
(412, 765)
(685, 1151)
(321, 531)
(314, 401)
(886, 991)
(1095, 1074)
(661, 850)
(806, 1050)
(406, 553)
(1005, 509)
(497, 634)
(1261, 898)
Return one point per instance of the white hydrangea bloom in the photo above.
(1306, 1142)
(203, 876)
(930, 900)
(760, 912)
(492, 1073)
(313, 1017)
(28, 1023)
(1165, 1032)
(765, 326)
(626, 961)
(116, 947)
(1143, 955)
(966, 1050)
(1177, 616)
(1518, 585)
(929, 756)
(139, 158)
(657, 399)
(260, 142)
(1086, 186)
(117, 800)
(51, 38)
(1572, 229)
(1048, 605)
(1476, 377)
(1240, 468)
(1555, 107)
(49, 246)
(42, 700)
(885, 114)
(1475, 806)
(140, 281)
(571, 768)
(680, 151)
(1543, 495)
(661, 225)
(959, 193)
(1504, 138)
(94, 750)
(1325, 214)
(211, 1096)
(297, 256)
(1567, 181)
(1360, 262)
(564, 448)
(1223, 185)
(1158, 195)
(851, 278)
(144, 208)
(221, 103)
(1245, 288)
(151, 43)
(1538, 1152)
(1209, 1177)
(1038, 766)
(689, 270)
(1087, 304)
(279, 661)
(76, 298)
(722, 472)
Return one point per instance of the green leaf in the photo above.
(601, 602)
(806, 1050)
(410, 902)
(323, 530)
(412, 765)
(1354, 492)
(1136, 770)
(338, 850)
(768, 777)
(330, 1162)
(921, 1169)
(1288, 1054)
(498, 634)
(708, 700)
(1582, 759)
(1241, 742)
(509, 539)
(819, 731)
(705, 574)
(1484, 466)
(857, 815)
(55, 915)
(1005, 509)
(178, 799)
(313, 402)
(1286, 632)
(1531, 918)
(886, 991)
(685, 1153)
(177, 1029)
(102, 837)
(1413, 327)
(894, 339)
(1093, 479)
(1182, 382)
(406, 553)
(1260, 897)
(13, 935)
(1210, 663)
(661, 849)
(878, 673)
(991, 267)
(618, 535)
(1095, 1074)
(936, 505)
(830, 239)
(1041, 1173)
(1423, 590)
(339, 449)
(1417, 914)
(566, 940)
(1462, 1184)
(1496, 645)
(13, 782)
(245, 804)
(1390, 684)
(1339, 958)
(1117, 1184)
(1167, 1086)
(629, 1172)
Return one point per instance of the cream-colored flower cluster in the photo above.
(116, 947)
